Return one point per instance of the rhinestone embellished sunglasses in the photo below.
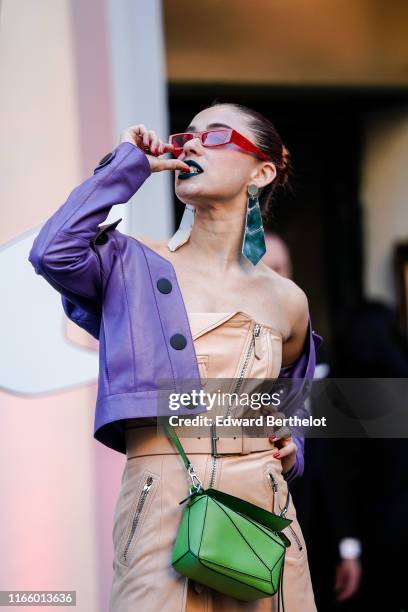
(215, 138)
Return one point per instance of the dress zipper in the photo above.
(282, 513)
(296, 537)
(274, 485)
(213, 457)
(254, 344)
(139, 508)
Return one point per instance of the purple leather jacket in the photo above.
(127, 296)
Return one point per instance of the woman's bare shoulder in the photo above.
(286, 288)
(294, 310)
(158, 246)
(295, 298)
(292, 299)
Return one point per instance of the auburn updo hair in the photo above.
(267, 138)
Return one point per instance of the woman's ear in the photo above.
(264, 175)
(269, 173)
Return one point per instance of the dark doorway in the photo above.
(321, 219)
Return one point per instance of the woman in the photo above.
(224, 292)
(202, 305)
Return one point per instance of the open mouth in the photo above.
(196, 169)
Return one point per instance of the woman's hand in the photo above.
(348, 575)
(152, 146)
(286, 450)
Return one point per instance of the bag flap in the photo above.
(251, 511)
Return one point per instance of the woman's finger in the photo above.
(136, 133)
(287, 449)
(159, 148)
(141, 128)
(152, 137)
(146, 139)
(165, 147)
(280, 441)
(171, 164)
(143, 134)
(154, 146)
(138, 130)
(283, 433)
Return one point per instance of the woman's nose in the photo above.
(192, 146)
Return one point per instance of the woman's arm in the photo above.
(64, 252)
(291, 473)
(295, 398)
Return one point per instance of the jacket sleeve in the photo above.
(64, 251)
(296, 394)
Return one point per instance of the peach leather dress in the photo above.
(235, 347)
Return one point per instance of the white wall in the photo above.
(139, 96)
(74, 74)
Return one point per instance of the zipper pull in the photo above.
(148, 484)
(286, 506)
(274, 483)
(298, 542)
(257, 342)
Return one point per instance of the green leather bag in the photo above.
(227, 543)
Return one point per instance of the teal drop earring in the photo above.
(253, 244)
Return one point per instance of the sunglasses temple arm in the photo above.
(248, 145)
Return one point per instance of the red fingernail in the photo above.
(276, 455)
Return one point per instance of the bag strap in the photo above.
(196, 482)
(171, 432)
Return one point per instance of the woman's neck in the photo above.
(217, 236)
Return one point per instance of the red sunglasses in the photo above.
(215, 138)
